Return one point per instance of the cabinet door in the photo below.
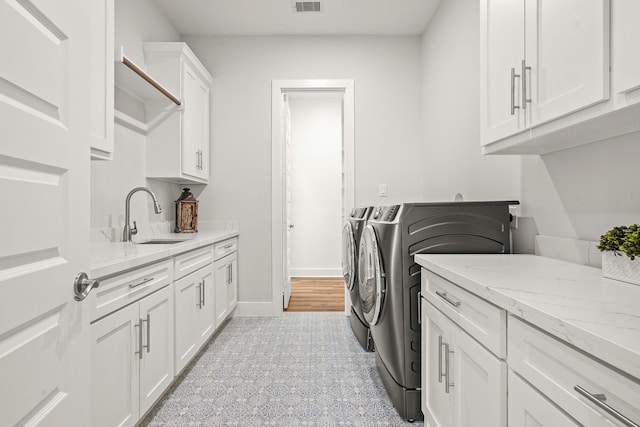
(479, 383)
(187, 300)
(221, 283)
(626, 55)
(207, 310)
(567, 48)
(435, 401)
(232, 287)
(501, 50)
(189, 148)
(114, 369)
(528, 408)
(202, 129)
(156, 365)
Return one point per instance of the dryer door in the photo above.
(348, 256)
(371, 276)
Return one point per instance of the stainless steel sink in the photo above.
(160, 242)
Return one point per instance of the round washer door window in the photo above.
(348, 256)
(370, 276)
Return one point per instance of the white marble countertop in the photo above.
(108, 258)
(570, 301)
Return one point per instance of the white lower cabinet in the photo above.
(131, 359)
(582, 387)
(226, 278)
(463, 383)
(528, 408)
(195, 314)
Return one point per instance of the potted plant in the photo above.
(620, 247)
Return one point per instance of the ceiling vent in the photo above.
(307, 6)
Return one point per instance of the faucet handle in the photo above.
(134, 230)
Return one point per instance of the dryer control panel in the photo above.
(386, 213)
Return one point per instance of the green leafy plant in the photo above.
(625, 239)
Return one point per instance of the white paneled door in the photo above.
(44, 185)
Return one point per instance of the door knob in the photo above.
(83, 285)
(290, 226)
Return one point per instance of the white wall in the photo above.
(136, 22)
(386, 71)
(316, 185)
(452, 161)
(575, 194)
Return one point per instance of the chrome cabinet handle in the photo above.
(440, 374)
(447, 366)
(139, 352)
(230, 273)
(82, 285)
(524, 84)
(448, 299)
(148, 320)
(419, 308)
(203, 293)
(199, 305)
(513, 91)
(598, 400)
(140, 282)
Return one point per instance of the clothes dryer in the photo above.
(351, 233)
(389, 279)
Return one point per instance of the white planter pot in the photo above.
(620, 267)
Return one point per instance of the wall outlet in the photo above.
(382, 190)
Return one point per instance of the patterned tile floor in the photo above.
(299, 369)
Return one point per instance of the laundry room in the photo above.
(454, 177)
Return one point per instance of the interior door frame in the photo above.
(278, 229)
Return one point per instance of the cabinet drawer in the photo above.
(118, 291)
(226, 247)
(526, 404)
(481, 319)
(191, 261)
(556, 370)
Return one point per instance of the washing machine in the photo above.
(351, 232)
(389, 279)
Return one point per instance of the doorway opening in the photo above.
(281, 171)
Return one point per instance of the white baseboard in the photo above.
(259, 308)
(316, 272)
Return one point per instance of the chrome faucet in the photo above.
(128, 231)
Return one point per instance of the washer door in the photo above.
(348, 256)
(371, 276)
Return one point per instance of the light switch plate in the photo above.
(382, 190)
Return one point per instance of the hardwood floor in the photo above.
(316, 294)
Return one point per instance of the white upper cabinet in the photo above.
(541, 60)
(626, 55)
(502, 45)
(102, 80)
(178, 147)
(567, 57)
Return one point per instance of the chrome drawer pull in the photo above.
(440, 374)
(598, 400)
(148, 320)
(447, 369)
(445, 297)
(140, 346)
(140, 282)
(419, 308)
